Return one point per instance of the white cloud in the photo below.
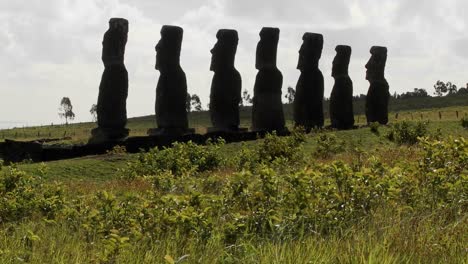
(51, 49)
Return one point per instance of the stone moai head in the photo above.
(119, 24)
(341, 61)
(168, 47)
(267, 48)
(376, 64)
(224, 51)
(113, 50)
(310, 52)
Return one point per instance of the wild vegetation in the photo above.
(380, 194)
(446, 109)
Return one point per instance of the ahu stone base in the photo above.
(99, 135)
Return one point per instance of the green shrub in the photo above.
(117, 150)
(180, 159)
(272, 149)
(24, 195)
(407, 133)
(443, 172)
(328, 145)
(464, 122)
(374, 127)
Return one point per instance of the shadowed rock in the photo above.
(171, 91)
(267, 109)
(226, 85)
(341, 99)
(113, 90)
(308, 103)
(378, 94)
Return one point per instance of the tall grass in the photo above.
(284, 206)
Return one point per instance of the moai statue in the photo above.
(378, 94)
(171, 91)
(267, 109)
(341, 99)
(113, 90)
(308, 103)
(226, 84)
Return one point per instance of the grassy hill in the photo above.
(407, 109)
(328, 197)
(369, 195)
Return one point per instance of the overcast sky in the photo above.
(51, 48)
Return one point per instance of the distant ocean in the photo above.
(13, 124)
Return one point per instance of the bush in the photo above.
(407, 133)
(374, 127)
(273, 149)
(24, 195)
(328, 145)
(117, 150)
(181, 159)
(443, 172)
(464, 122)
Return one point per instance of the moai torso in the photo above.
(113, 90)
(267, 109)
(226, 85)
(308, 102)
(378, 94)
(171, 91)
(341, 99)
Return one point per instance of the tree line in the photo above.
(194, 104)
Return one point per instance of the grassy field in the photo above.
(80, 133)
(327, 197)
(277, 200)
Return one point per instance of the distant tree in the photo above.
(196, 103)
(440, 88)
(290, 95)
(246, 98)
(66, 109)
(193, 102)
(93, 112)
(418, 92)
(451, 88)
(462, 91)
(188, 105)
(359, 97)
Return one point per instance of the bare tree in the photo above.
(93, 112)
(66, 109)
(196, 103)
(188, 104)
(290, 95)
(246, 98)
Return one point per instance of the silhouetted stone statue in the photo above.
(308, 102)
(341, 99)
(113, 90)
(267, 109)
(171, 91)
(378, 94)
(226, 84)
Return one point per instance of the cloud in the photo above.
(51, 49)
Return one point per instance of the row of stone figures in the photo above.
(267, 109)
